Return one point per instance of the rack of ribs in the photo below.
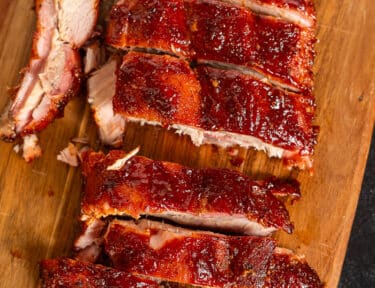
(211, 105)
(211, 198)
(218, 33)
(53, 74)
(202, 258)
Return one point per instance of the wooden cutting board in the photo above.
(39, 202)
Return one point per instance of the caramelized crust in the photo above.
(223, 107)
(199, 258)
(281, 51)
(218, 33)
(158, 88)
(215, 198)
(246, 105)
(202, 258)
(149, 24)
(68, 273)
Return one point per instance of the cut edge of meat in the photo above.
(101, 89)
(226, 139)
(77, 20)
(88, 244)
(52, 77)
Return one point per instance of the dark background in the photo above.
(359, 266)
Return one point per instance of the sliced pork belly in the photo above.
(202, 258)
(190, 257)
(217, 33)
(279, 50)
(212, 198)
(53, 74)
(300, 12)
(69, 273)
(215, 106)
(101, 89)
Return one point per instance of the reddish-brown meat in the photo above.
(301, 12)
(149, 24)
(289, 270)
(202, 258)
(245, 105)
(218, 33)
(281, 51)
(159, 89)
(222, 107)
(68, 273)
(53, 74)
(214, 198)
(199, 258)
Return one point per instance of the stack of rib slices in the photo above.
(130, 209)
(223, 72)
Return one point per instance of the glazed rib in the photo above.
(215, 106)
(199, 258)
(69, 273)
(53, 74)
(211, 198)
(217, 33)
(202, 258)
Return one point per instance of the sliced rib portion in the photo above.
(281, 51)
(300, 12)
(202, 258)
(160, 89)
(68, 273)
(101, 89)
(215, 106)
(53, 74)
(149, 24)
(217, 33)
(212, 198)
(276, 121)
(189, 257)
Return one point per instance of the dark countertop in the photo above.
(359, 266)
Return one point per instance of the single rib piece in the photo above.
(68, 273)
(220, 34)
(202, 258)
(53, 74)
(149, 24)
(161, 89)
(212, 198)
(189, 257)
(222, 107)
(236, 105)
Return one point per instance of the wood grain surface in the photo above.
(39, 202)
